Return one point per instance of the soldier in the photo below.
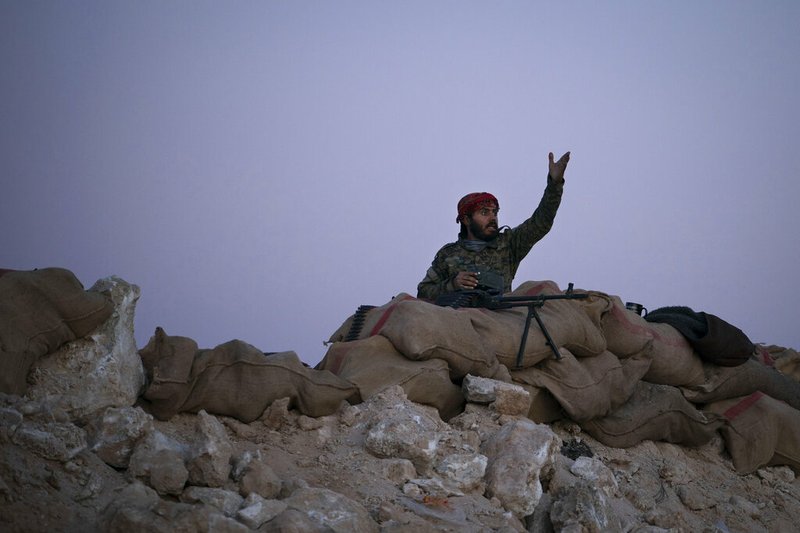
(481, 246)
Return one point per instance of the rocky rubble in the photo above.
(90, 458)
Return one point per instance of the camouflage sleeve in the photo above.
(524, 236)
(437, 280)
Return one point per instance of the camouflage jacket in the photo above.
(503, 255)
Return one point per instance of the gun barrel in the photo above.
(541, 298)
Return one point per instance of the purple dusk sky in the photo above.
(260, 169)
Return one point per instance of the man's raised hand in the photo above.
(557, 168)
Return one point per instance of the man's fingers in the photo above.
(564, 159)
(467, 280)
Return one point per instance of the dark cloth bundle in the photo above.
(715, 340)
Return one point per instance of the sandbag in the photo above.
(627, 334)
(373, 364)
(765, 357)
(760, 431)
(589, 387)
(421, 331)
(41, 310)
(674, 362)
(572, 324)
(167, 362)
(654, 412)
(725, 382)
(367, 320)
(238, 380)
(786, 360)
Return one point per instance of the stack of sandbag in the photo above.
(374, 364)
(705, 375)
(234, 379)
(434, 340)
(41, 310)
(422, 331)
(624, 379)
(473, 340)
(587, 387)
(629, 392)
(673, 360)
(572, 324)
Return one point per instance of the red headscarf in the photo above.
(474, 201)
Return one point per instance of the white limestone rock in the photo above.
(114, 434)
(98, 371)
(160, 462)
(256, 511)
(210, 463)
(332, 510)
(405, 430)
(517, 454)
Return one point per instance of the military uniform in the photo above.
(502, 255)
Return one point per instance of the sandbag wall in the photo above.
(622, 378)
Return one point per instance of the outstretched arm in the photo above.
(538, 225)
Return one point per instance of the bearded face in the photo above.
(482, 224)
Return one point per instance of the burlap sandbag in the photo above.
(572, 324)
(787, 360)
(760, 431)
(167, 362)
(374, 364)
(765, 357)
(41, 310)
(789, 366)
(724, 382)
(654, 412)
(367, 322)
(421, 330)
(589, 387)
(626, 332)
(674, 361)
(238, 380)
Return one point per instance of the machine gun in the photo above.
(487, 295)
